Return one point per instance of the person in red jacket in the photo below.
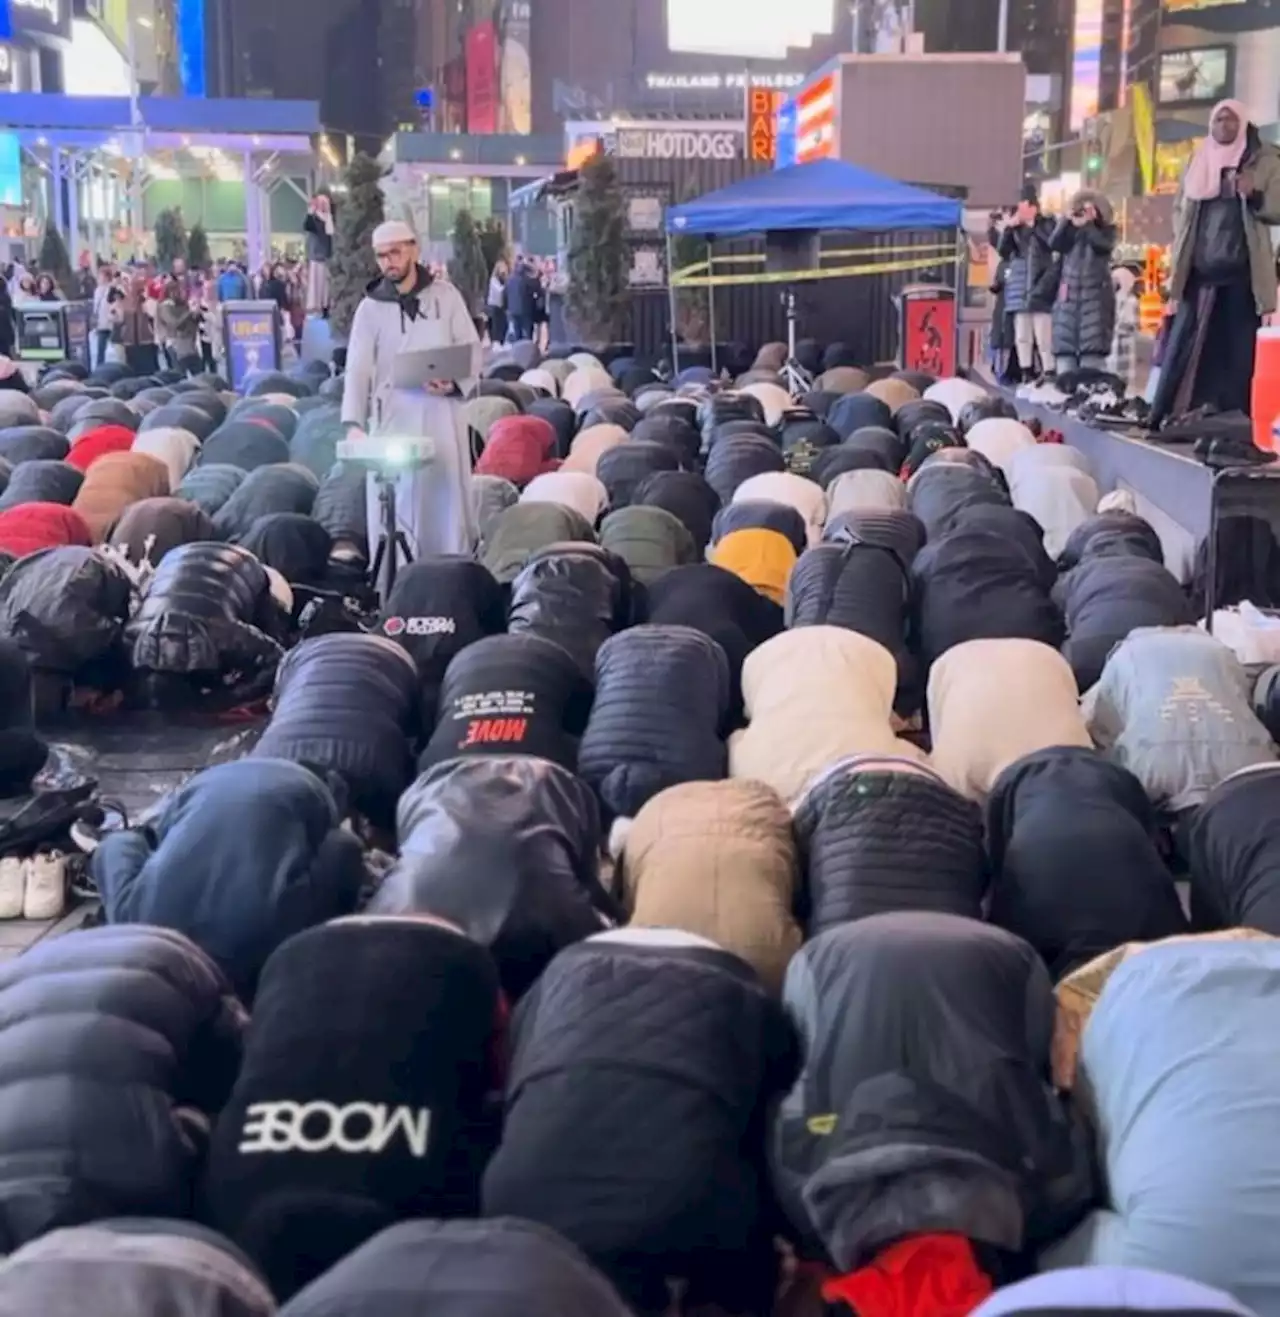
(97, 443)
(32, 526)
(518, 449)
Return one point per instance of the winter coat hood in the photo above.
(113, 483)
(992, 702)
(1104, 1291)
(30, 527)
(813, 696)
(948, 1125)
(148, 1268)
(717, 859)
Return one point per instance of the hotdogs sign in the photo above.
(676, 143)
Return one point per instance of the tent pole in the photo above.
(711, 299)
(962, 247)
(671, 303)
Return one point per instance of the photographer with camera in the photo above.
(410, 311)
(1084, 315)
(1031, 283)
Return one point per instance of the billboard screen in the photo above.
(751, 29)
(1086, 62)
(1201, 75)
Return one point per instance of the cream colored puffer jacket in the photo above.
(717, 859)
(992, 702)
(813, 696)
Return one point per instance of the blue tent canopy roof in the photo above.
(825, 194)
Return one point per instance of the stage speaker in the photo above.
(786, 252)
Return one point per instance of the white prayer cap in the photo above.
(391, 231)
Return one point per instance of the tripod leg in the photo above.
(402, 544)
(375, 569)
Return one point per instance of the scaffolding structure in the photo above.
(80, 144)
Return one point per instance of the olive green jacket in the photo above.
(1258, 219)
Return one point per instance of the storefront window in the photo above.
(448, 196)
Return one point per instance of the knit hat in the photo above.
(362, 1097)
(391, 231)
(22, 752)
(921, 1276)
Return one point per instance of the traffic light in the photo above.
(1091, 150)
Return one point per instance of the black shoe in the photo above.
(1225, 453)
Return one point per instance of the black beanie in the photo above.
(22, 752)
(362, 1099)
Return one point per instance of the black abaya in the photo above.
(1210, 363)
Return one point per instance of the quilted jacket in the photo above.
(662, 699)
(640, 1074)
(650, 540)
(878, 835)
(717, 859)
(1234, 846)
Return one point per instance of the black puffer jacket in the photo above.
(924, 1105)
(264, 491)
(1111, 534)
(65, 608)
(1074, 869)
(32, 443)
(342, 508)
(973, 585)
(622, 470)
(208, 610)
(722, 606)
(860, 587)
(575, 594)
(687, 496)
(507, 848)
(640, 1076)
(508, 695)
(674, 432)
(106, 1037)
(662, 699)
(437, 608)
(1234, 847)
(1105, 598)
(245, 444)
(939, 493)
(348, 704)
(879, 835)
(1084, 316)
(1031, 282)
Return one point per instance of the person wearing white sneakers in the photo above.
(22, 755)
(45, 893)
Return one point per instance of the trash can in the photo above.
(927, 329)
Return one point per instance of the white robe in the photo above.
(434, 504)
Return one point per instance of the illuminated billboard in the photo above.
(1086, 62)
(816, 121)
(748, 29)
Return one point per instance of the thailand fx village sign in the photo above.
(679, 143)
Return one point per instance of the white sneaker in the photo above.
(13, 886)
(46, 893)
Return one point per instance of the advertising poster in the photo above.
(482, 79)
(1194, 77)
(251, 332)
(929, 335)
(78, 318)
(515, 75)
(1086, 62)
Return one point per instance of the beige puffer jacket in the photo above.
(717, 859)
(813, 696)
(992, 702)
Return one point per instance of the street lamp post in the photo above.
(136, 124)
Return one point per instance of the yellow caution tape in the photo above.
(947, 251)
(678, 280)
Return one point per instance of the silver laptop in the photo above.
(415, 370)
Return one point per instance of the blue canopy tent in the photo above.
(821, 195)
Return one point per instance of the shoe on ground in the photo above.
(13, 887)
(46, 894)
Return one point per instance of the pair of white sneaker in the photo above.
(34, 888)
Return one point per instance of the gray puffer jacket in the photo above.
(1084, 316)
